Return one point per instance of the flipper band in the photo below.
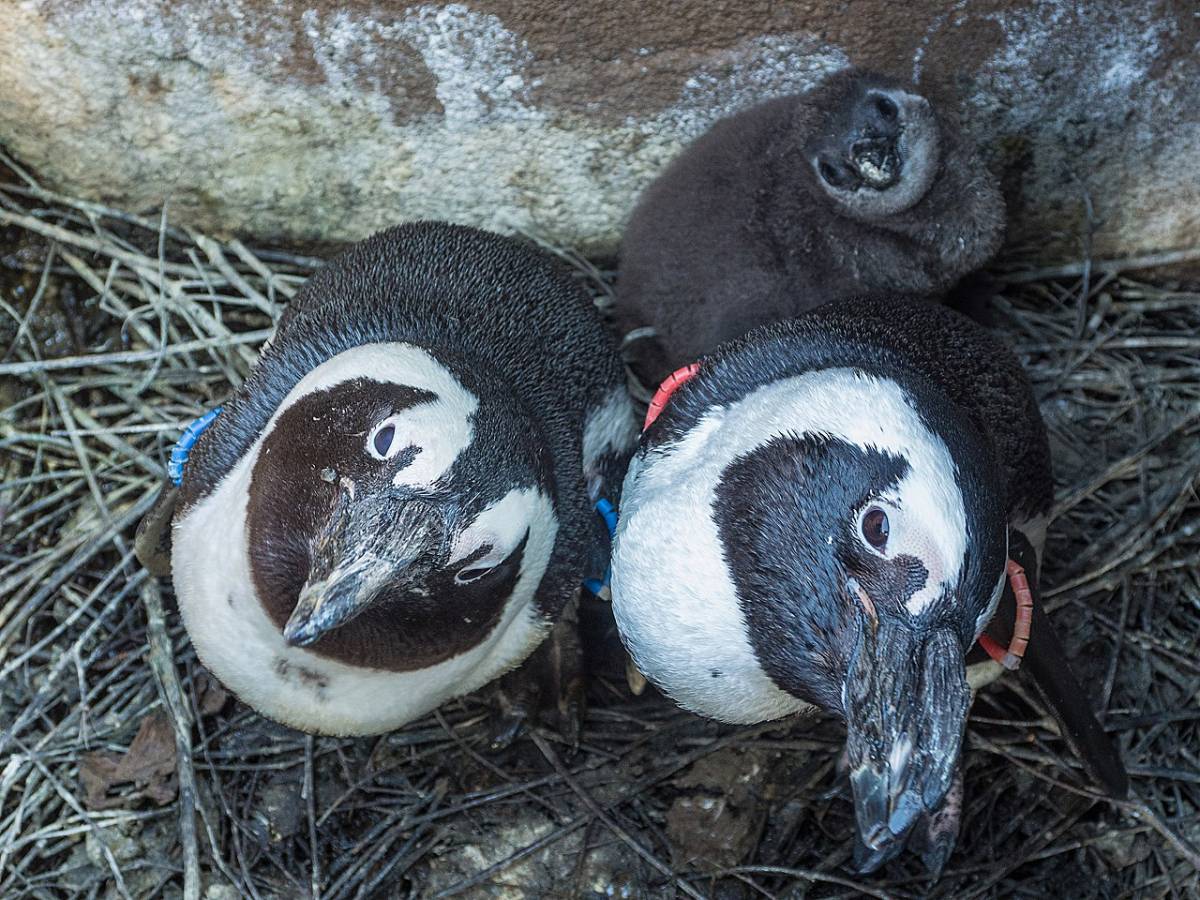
(187, 440)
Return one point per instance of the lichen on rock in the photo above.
(288, 121)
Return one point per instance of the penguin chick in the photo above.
(822, 515)
(396, 505)
(855, 187)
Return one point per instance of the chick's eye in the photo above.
(886, 108)
(382, 441)
(875, 528)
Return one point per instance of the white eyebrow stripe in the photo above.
(505, 523)
(445, 425)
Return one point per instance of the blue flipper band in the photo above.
(608, 513)
(187, 440)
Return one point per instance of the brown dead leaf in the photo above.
(211, 697)
(149, 764)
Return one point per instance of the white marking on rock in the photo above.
(673, 595)
(753, 70)
(477, 62)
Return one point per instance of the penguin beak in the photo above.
(877, 161)
(368, 544)
(333, 600)
(906, 700)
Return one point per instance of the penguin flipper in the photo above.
(1045, 664)
(152, 541)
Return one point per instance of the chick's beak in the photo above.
(367, 544)
(906, 700)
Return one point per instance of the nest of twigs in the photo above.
(125, 771)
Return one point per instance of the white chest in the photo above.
(236, 640)
(675, 602)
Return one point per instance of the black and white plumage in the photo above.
(822, 516)
(857, 186)
(396, 505)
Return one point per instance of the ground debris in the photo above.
(116, 330)
(716, 820)
(148, 764)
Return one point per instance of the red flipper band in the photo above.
(666, 389)
(1011, 658)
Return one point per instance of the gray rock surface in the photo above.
(285, 119)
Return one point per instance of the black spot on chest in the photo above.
(303, 677)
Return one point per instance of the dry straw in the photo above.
(116, 330)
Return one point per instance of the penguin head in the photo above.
(875, 147)
(387, 523)
(868, 554)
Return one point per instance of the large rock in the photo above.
(286, 119)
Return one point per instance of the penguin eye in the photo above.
(380, 443)
(886, 108)
(875, 528)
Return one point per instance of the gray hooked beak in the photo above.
(367, 544)
(906, 700)
(335, 599)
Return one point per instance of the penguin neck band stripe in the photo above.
(671, 384)
(1011, 658)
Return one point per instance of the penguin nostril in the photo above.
(886, 107)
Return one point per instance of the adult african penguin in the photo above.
(857, 186)
(823, 514)
(396, 505)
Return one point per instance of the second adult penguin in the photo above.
(857, 186)
(396, 505)
(824, 513)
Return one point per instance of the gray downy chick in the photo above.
(856, 187)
